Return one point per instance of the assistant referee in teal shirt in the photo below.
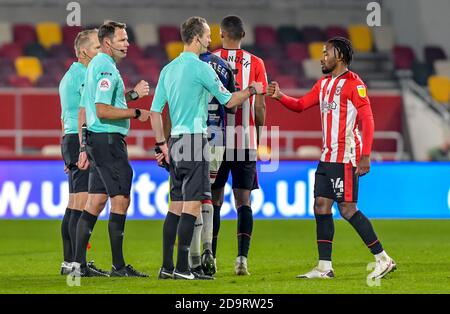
(186, 84)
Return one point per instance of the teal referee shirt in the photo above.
(104, 85)
(70, 89)
(186, 84)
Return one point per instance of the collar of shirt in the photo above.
(107, 57)
(188, 54)
(78, 65)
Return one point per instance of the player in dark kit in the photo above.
(343, 99)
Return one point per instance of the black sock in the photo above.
(169, 237)
(244, 229)
(73, 222)
(116, 227)
(67, 246)
(185, 232)
(325, 234)
(365, 230)
(85, 226)
(216, 228)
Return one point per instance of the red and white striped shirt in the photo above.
(342, 100)
(240, 127)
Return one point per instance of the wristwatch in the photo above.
(133, 94)
(137, 113)
(82, 149)
(160, 143)
(252, 90)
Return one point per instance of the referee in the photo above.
(108, 122)
(86, 47)
(185, 84)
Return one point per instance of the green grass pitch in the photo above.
(30, 257)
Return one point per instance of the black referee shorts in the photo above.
(189, 168)
(110, 172)
(242, 166)
(78, 179)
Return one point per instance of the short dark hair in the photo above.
(234, 26)
(193, 26)
(108, 28)
(343, 47)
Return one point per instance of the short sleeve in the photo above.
(209, 79)
(106, 84)
(261, 75)
(160, 97)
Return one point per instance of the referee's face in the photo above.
(205, 40)
(119, 44)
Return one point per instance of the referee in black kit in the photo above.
(186, 84)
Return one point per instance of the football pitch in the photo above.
(30, 258)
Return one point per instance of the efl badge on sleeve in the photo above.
(362, 91)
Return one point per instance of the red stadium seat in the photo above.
(297, 52)
(168, 33)
(287, 81)
(336, 31)
(134, 52)
(11, 51)
(403, 57)
(24, 34)
(312, 34)
(19, 81)
(265, 36)
(69, 34)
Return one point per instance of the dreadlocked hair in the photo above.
(344, 48)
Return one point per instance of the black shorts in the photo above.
(110, 172)
(336, 181)
(70, 150)
(189, 168)
(243, 173)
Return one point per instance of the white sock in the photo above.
(194, 251)
(381, 256)
(207, 231)
(325, 265)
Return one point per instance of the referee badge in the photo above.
(104, 85)
(361, 91)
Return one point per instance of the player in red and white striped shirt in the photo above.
(241, 140)
(342, 97)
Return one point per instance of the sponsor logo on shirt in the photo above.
(104, 85)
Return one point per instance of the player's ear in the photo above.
(243, 34)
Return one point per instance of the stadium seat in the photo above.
(127, 67)
(272, 67)
(216, 41)
(29, 67)
(168, 33)
(47, 80)
(24, 34)
(6, 68)
(69, 34)
(5, 33)
(384, 38)
(312, 34)
(421, 72)
(173, 49)
(11, 51)
(61, 51)
(433, 53)
(249, 38)
(312, 69)
(53, 66)
(439, 87)
(361, 38)
(146, 34)
(290, 67)
(403, 57)
(35, 50)
(19, 81)
(288, 34)
(134, 52)
(49, 34)
(336, 31)
(442, 67)
(265, 36)
(297, 52)
(155, 52)
(316, 50)
(287, 81)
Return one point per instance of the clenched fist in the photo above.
(142, 88)
(273, 90)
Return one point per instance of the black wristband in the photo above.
(82, 149)
(252, 90)
(83, 134)
(137, 113)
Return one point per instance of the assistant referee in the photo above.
(185, 84)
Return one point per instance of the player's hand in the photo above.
(259, 87)
(66, 170)
(164, 155)
(273, 90)
(363, 166)
(83, 162)
(142, 88)
(145, 115)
